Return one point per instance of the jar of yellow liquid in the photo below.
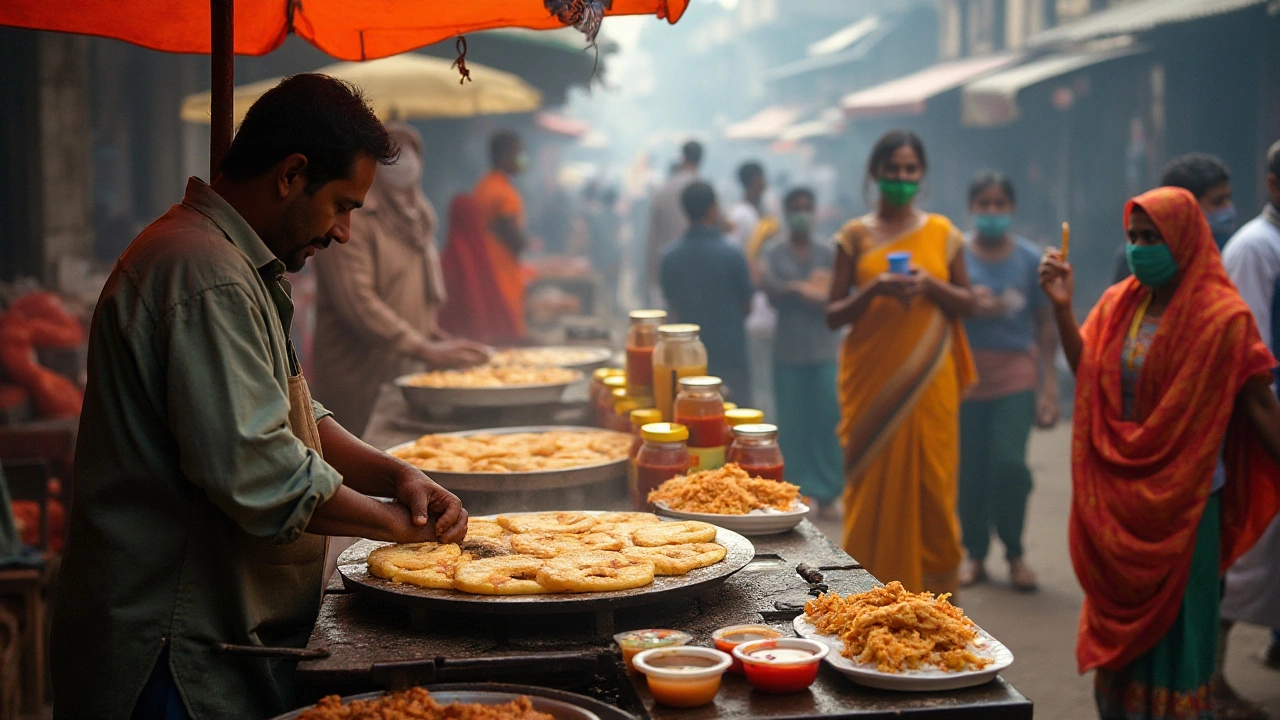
(679, 354)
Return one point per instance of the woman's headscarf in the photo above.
(405, 213)
(1140, 487)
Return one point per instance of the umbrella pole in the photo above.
(222, 82)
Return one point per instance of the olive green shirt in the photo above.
(190, 488)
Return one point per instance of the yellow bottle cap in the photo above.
(614, 382)
(730, 406)
(619, 393)
(602, 373)
(624, 406)
(743, 416)
(664, 432)
(645, 416)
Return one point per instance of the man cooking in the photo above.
(206, 478)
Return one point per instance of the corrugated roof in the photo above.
(764, 125)
(908, 95)
(1135, 17)
(845, 37)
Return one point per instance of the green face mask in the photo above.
(899, 193)
(1152, 265)
(800, 221)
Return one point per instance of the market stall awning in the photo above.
(849, 45)
(828, 123)
(560, 125)
(764, 125)
(846, 37)
(910, 94)
(403, 87)
(345, 29)
(1136, 17)
(992, 100)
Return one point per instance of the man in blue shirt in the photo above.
(706, 282)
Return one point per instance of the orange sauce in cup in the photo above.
(727, 638)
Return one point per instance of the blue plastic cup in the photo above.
(900, 263)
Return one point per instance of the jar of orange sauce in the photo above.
(679, 354)
(700, 407)
(642, 338)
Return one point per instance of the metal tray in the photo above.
(432, 400)
(558, 704)
(534, 480)
(356, 577)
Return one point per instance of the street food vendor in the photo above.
(206, 478)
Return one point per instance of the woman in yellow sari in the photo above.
(904, 365)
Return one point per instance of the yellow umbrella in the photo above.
(404, 87)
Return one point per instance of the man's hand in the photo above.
(427, 502)
(449, 354)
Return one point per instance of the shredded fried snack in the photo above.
(488, 376)
(725, 491)
(417, 704)
(898, 630)
(517, 452)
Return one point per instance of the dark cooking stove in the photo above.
(371, 645)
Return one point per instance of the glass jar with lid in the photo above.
(639, 418)
(642, 338)
(663, 455)
(679, 354)
(605, 398)
(735, 416)
(700, 407)
(755, 449)
(623, 404)
(597, 383)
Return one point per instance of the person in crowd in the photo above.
(604, 242)
(796, 275)
(706, 282)
(1252, 260)
(1173, 477)
(745, 219)
(905, 364)
(206, 478)
(667, 219)
(501, 219)
(1209, 179)
(1014, 345)
(378, 298)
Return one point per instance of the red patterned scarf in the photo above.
(1139, 488)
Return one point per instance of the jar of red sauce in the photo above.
(736, 416)
(700, 407)
(622, 407)
(639, 418)
(663, 455)
(755, 449)
(642, 338)
(604, 400)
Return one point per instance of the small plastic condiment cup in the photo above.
(728, 638)
(687, 676)
(634, 642)
(783, 665)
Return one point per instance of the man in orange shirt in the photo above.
(501, 212)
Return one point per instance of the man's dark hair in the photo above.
(1273, 159)
(992, 178)
(503, 143)
(797, 193)
(748, 172)
(327, 120)
(1197, 172)
(697, 199)
(692, 153)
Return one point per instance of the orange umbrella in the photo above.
(345, 29)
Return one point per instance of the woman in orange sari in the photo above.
(1174, 476)
(904, 365)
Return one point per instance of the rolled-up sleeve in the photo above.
(229, 416)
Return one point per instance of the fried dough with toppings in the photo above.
(510, 575)
(683, 532)
(678, 559)
(428, 564)
(595, 571)
(549, 545)
(548, 522)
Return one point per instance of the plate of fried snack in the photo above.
(893, 639)
(519, 458)
(487, 386)
(730, 497)
(556, 553)
(577, 358)
(422, 704)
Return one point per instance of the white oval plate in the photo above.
(758, 522)
(930, 680)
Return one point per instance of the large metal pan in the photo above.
(556, 703)
(356, 576)
(534, 480)
(429, 400)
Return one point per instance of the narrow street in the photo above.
(1040, 628)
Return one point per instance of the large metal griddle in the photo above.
(532, 480)
(422, 602)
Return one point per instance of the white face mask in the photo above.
(405, 173)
